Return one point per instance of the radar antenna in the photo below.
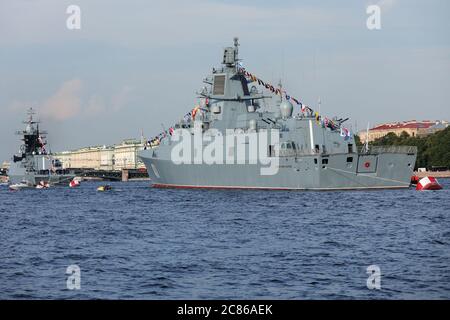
(366, 145)
(30, 113)
(280, 85)
(236, 46)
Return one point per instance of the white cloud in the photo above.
(96, 105)
(121, 98)
(65, 103)
(71, 100)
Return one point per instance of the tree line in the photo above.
(433, 149)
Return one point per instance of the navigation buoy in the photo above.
(74, 183)
(428, 183)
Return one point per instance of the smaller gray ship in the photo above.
(33, 165)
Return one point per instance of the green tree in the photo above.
(358, 140)
(433, 150)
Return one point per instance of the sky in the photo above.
(136, 65)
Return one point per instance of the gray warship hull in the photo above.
(36, 179)
(391, 169)
(41, 173)
(311, 152)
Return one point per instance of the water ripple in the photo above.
(141, 243)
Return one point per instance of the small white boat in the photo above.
(19, 186)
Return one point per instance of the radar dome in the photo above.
(286, 109)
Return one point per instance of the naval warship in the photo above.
(301, 151)
(33, 165)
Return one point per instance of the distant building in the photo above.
(413, 128)
(117, 157)
(5, 165)
(126, 155)
(4, 171)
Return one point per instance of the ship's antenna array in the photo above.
(366, 145)
(236, 46)
(319, 101)
(280, 85)
(30, 113)
(236, 53)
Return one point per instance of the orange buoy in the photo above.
(428, 183)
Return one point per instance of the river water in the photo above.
(136, 242)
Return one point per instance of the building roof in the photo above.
(413, 124)
(439, 126)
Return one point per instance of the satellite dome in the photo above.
(286, 109)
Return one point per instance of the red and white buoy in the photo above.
(428, 183)
(74, 183)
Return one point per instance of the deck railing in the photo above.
(389, 149)
(372, 150)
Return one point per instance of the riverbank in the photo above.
(436, 174)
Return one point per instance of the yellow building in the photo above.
(3, 172)
(413, 128)
(97, 158)
(126, 155)
(5, 165)
(117, 157)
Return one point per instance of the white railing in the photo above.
(389, 149)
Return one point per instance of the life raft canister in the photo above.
(428, 183)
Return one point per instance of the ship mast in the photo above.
(236, 53)
(32, 137)
(30, 113)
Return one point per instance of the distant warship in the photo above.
(310, 152)
(33, 165)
